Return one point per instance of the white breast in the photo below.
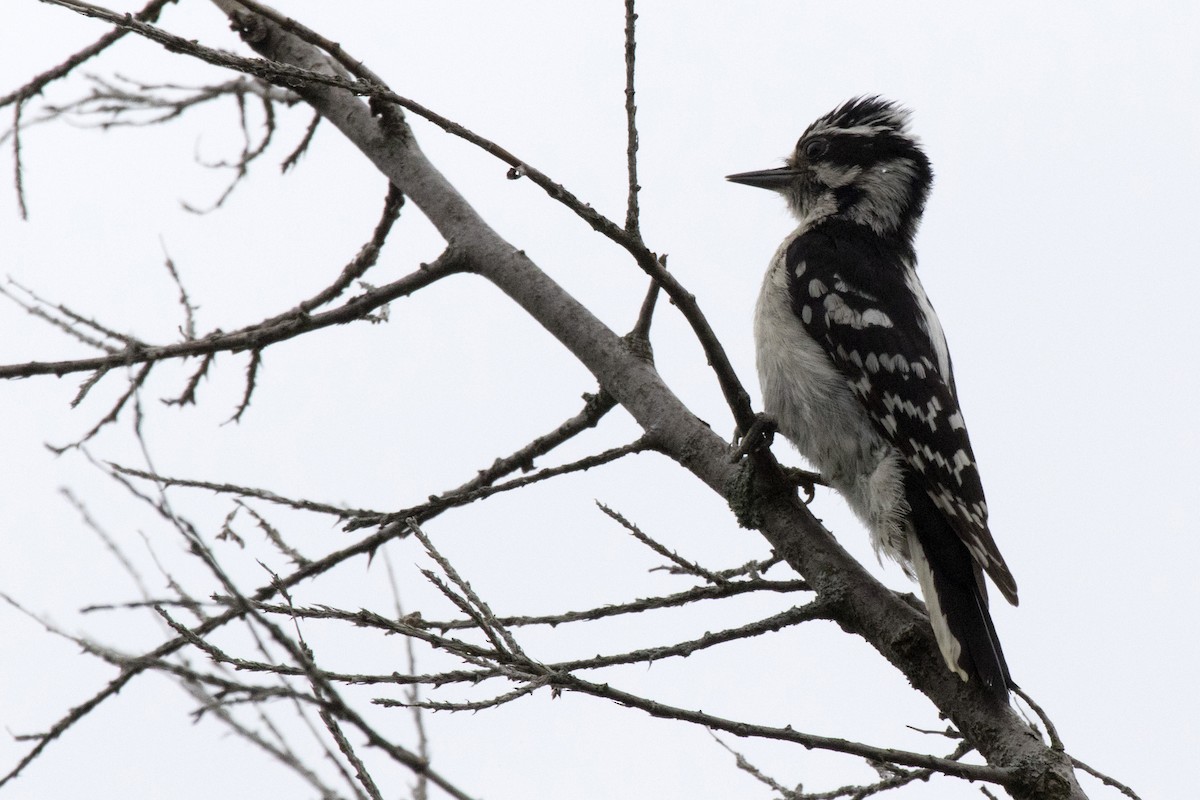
(815, 410)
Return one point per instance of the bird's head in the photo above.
(857, 163)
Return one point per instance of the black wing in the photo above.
(850, 290)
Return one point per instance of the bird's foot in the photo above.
(808, 481)
(760, 434)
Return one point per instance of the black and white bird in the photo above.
(856, 374)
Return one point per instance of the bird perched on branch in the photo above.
(856, 374)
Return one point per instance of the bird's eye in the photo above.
(815, 148)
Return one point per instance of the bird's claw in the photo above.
(805, 480)
(760, 434)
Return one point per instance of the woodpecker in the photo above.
(855, 371)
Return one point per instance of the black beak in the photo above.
(766, 178)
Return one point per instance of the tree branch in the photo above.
(844, 590)
(632, 214)
(253, 337)
(860, 603)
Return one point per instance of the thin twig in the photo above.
(421, 790)
(632, 214)
(1113, 782)
(274, 536)
(188, 395)
(250, 151)
(489, 623)
(595, 406)
(73, 715)
(301, 148)
(42, 309)
(469, 705)
(728, 588)
(496, 660)
(1055, 742)
(134, 385)
(118, 105)
(892, 778)
(329, 699)
(343, 744)
(454, 499)
(689, 567)
(189, 310)
(257, 336)
(18, 178)
(367, 256)
(251, 381)
(244, 491)
(371, 86)
(148, 14)
(973, 772)
(744, 764)
(361, 518)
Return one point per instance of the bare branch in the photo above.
(370, 85)
(632, 215)
(393, 522)
(367, 257)
(744, 764)
(333, 704)
(641, 330)
(746, 730)
(126, 102)
(328, 698)
(257, 336)
(728, 588)
(893, 779)
(474, 604)
(421, 790)
(18, 179)
(114, 412)
(188, 396)
(360, 769)
(250, 152)
(274, 536)
(245, 491)
(595, 406)
(109, 542)
(72, 325)
(189, 310)
(294, 157)
(73, 715)
(1107, 781)
(251, 379)
(776, 622)
(843, 590)
(496, 661)
(689, 567)
(34, 87)
(476, 705)
(752, 569)
(438, 504)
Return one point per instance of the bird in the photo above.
(855, 371)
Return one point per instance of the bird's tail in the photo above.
(952, 584)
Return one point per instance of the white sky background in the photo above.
(1058, 246)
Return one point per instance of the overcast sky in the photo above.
(1059, 247)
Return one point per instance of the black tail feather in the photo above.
(961, 594)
